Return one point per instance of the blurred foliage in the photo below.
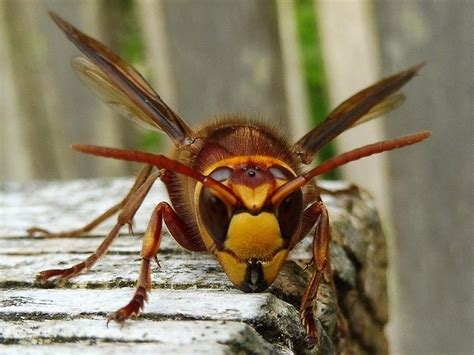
(132, 46)
(313, 69)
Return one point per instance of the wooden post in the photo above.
(432, 185)
(352, 62)
(296, 95)
(226, 58)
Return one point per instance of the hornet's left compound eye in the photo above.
(215, 216)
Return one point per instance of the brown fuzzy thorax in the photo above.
(224, 139)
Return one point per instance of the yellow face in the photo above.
(251, 241)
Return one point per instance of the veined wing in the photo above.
(100, 84)
(122, 87)
(389, 104)
(361, 107)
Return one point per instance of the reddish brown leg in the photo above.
(320, 260)
(140, 179)
(125, 217)
(150, 247)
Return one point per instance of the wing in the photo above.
(101, 85)
(363, 106)
(387, 105)
(122, 87)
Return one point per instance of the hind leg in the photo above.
(139, 181)
(125, 217)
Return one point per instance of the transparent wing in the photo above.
(361, 107)
(122, 87)
(100, 84)
(389, 104)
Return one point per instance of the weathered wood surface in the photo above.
(432, 189)
(193, 308)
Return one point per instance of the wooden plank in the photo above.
(63, 205)
(166, 332)
(279, 317)
(92, 347)
(173, 304)
(118, 270)
(92, 335)
(189, 286)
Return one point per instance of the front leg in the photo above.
(151, 244)
(322, 263)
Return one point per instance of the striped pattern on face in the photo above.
(247, 240)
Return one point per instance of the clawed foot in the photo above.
(311, 341)
(311, 327)
(38, 232)
(55, 276)
(313, 332)
(59, 276)
(132, 309)
(312, 335)
(309, 264)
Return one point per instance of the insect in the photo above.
(238, 189)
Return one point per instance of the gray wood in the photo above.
(226, 57)
(163, 337)
(350, 52)
(191, 296)
(432, 183)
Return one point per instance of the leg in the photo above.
(150, 247)
(320, 260)
(125, 217)
(140, 179)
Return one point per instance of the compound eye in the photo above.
(290, 213)
(215, 216)
(277, 173)
(221, 174)
(280, 172)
